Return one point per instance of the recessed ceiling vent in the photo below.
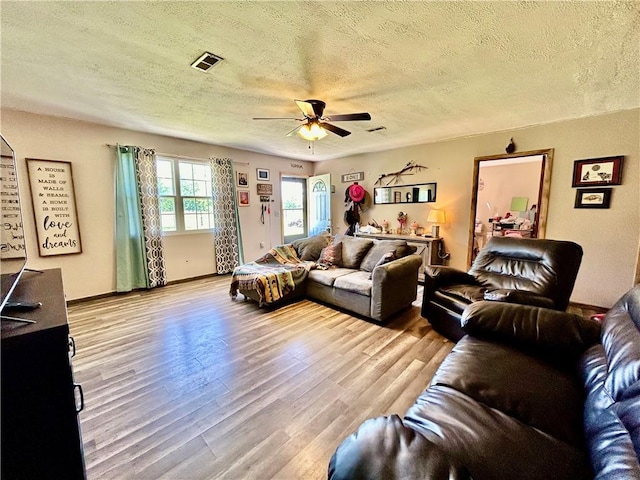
(206, 61)
(376, 129)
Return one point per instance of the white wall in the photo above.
(84, 144)
(609, 237)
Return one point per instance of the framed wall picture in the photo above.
(262, 174)
(242, 179)
(54, 207)
(265, 188)
(243, 198)
(596, 172)
(593, 197)
(12, 236)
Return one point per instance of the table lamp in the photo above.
(436, 217)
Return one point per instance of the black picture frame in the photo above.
(595, 172)
(593, 198)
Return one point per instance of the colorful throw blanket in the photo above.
(272, 276)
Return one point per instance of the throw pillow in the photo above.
(353, 250)
(386, 258)
(331, 255)
(309, 248)
(379, 248)
(405, 250)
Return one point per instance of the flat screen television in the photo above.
(13, 253)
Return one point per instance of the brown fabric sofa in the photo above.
(359, 283)
(529, 393)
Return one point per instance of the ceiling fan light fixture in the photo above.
(312, 132)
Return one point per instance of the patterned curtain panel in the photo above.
(227, 234)
(139, 253)
(150, 209)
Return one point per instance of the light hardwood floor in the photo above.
(184, 383)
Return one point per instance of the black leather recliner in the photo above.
(526, 271)
(529, 393)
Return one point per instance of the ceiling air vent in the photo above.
(206, 61)
(376, 129)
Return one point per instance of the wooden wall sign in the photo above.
(265, 189)
(352, 177)
(54, 207)
(12, 243)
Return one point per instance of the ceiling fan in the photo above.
(315, 126)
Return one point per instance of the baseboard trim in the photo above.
(585, 306)
(137, 290)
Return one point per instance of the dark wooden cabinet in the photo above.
(40, 402)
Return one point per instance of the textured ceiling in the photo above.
(426, 71)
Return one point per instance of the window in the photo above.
(184, 188)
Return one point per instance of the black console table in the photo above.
(40, 402)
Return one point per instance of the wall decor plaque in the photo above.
(352, 177)
(12, 244)
(265, 188)
(54, 207)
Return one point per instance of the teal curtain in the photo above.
(226, 218)
(131, 272)
(139, 250)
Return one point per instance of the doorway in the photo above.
(306, 206)
(319, 194)
(521, 189)
(294, 208)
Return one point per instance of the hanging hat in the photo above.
(356, 192)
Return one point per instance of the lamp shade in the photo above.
(312, 131)
(436, 216)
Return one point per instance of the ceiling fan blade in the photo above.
(349, 117)
(276, 118)
(307, 108)
(334, 129)
(294, 131)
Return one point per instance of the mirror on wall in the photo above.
(510, 196)
(419, 193)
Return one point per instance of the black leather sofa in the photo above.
(529, 271)
(529, 393)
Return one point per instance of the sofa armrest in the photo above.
(522, 297)
(551, 333)
(384, 448)
(394, 286)
(436, 277)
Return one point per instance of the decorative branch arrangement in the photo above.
(409, 169)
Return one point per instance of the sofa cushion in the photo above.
(386, 258)
(377, 250)
(357, 282)
(384, 448)
(309, 248)
(457, 297)
(327, 277)
(331, 255)
(517, 384)
(490, 443)
(353, 250)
